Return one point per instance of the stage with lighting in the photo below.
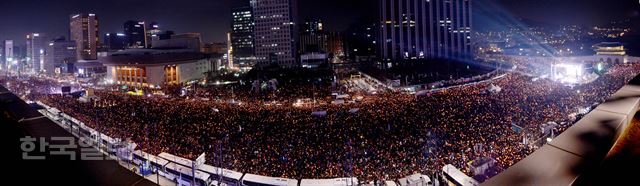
(572, 73)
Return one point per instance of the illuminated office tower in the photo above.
(84, 31)
(152, 31)
(418, 29)
(60, 57)
(135, 32)
(115, 41)
(242, 37)
(275, 31)
(36, 46)
(7, 53)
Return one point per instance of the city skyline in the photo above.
(213, 18)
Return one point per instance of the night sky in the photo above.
(212, 17)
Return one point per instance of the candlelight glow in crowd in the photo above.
(384, 136)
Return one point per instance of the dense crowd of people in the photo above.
(386, 136)
(29, 87)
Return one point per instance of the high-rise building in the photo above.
(19, 52)
(7, 53)
(115, 41)
(190, 41)
(312, 26)
(418, 29)
(152, 31)
(360, 41)
(242, 37)
(136, 33)
(326, 42)
(276, 31)
(36, 46)
(60, 57)
(215, 48)
(312, 38)
(162, 35)
(84, 31)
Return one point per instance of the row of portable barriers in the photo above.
(180, 169)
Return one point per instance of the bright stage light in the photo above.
(568, 73)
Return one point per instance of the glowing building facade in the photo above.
(60, 57)
(36, 46)
(613, 48)
(158, 67)
(242, 38)
(7, 53)
(418, 29)
(84, 31)
(276, 31)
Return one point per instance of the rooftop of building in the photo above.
(20, 120)
(608, 45)
(88, 64)
(155, 56)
